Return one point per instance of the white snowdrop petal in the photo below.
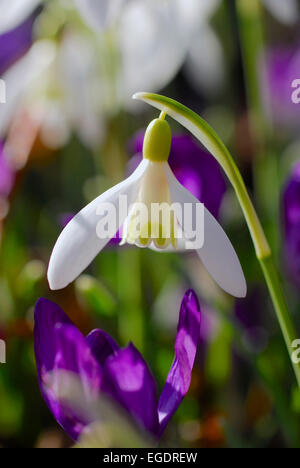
(286, 11)
(217, 253)
(13, 12)
(204, 67)
(156, 46)
(22, 77)
(78, 244)
(76, 69)
(99, 14)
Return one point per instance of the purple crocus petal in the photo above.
(127, 379)
(14, 43)
(291, 209)
(46, 316)
(7, 174)
(193, 166)
(179, 378)
(59, 345)
(102, 345)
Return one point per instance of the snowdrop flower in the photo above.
(99, 367)
(170, 32)
(152, 182)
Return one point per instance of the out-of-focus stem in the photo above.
(265, 164)
(252, 47)
(129, 288)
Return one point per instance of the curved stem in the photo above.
(207, 136)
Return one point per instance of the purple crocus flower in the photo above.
(105, 369)
(291, 209)
(194, 167)
(14, 43)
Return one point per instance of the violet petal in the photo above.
(127, 379)
(179, 378)
(101, 345)
(58, 344)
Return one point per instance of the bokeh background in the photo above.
(69, 130)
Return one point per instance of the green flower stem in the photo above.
(207, 136)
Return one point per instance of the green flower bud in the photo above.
(157, 141)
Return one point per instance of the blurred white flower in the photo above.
(132, 44)
(24, 79)
(80, 84)
(160, 39)
(205, 67)
(285, 11)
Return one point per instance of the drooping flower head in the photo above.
(103, 368)
(169, 228)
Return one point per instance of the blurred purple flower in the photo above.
(194, 167)
(250, 313)
(291, 211)
(7, 175)
(14, 43)
(281, 68)
(104, 368)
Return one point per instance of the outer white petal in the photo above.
(205, 68)
(82, 88)
(217, 253)
(21, 77)
(78, 244)
(285, 11)
(99, 13)
(13, 12)
(195, 12)
(153, 38)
